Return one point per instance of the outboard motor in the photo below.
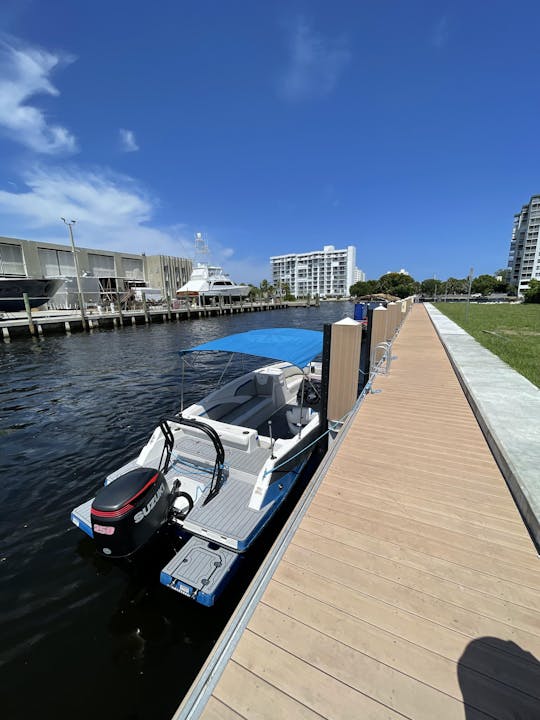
(127, 512)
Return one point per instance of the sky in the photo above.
(409, 129)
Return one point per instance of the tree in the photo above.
(264, 287)
(398, 284)
(286, 292)
(431, 286)
(365, 287)
(483, 284)
(532, 294)
(456, 286)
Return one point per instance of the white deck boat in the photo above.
(217, 471)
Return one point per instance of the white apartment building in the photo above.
(524, 255)
(359, 275)
(327, 272)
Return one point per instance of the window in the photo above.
(56, 263)
(133, 268)
(11, 260)
(101, 265)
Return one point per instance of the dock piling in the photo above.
(28, 309)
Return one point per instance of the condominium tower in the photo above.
(524, 255)
(327, 272)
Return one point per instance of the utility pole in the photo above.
(70, 225)
(471, 272)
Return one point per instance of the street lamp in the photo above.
(70, 225)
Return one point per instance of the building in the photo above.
(524, 255)
(327, 272)
(358, 275)
(104, 274)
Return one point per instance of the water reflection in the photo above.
(87, 636)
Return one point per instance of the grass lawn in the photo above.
(510, 331)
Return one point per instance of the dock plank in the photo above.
(411, 587)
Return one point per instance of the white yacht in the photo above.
(209, 281)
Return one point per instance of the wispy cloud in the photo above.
(24, 73)
(315, 64)
(112, 211)
(127, 140)
(440, 33)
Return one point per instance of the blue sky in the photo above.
(408, 129)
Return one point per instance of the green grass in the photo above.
(510, 331)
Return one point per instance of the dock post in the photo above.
(133, 321)
(5, 334)
(120, 316)
(67, 327)
(391, 320)
(378, 334)
(28, 309)
(145, 307)
(325, 374)
(168, 308)
(344, 367)
(365, 351)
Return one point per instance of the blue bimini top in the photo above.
(291, 345)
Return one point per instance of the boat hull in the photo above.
(39, 290)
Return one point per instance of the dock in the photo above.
(48, 322)
(405, 585)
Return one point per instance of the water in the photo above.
(79, 635)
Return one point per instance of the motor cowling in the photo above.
(127, 512)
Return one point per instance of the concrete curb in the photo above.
(507, 407)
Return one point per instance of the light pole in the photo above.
(471, 272)
(70, 225)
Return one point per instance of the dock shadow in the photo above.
(499, 678)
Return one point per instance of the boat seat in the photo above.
(250, 413)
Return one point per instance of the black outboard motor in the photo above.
(127, 512)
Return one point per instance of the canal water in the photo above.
(80, 636)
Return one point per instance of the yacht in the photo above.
(209, 281)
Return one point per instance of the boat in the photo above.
(39, 290)
(208, 282)
(216, 472)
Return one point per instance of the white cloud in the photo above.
(112, 211)
(24, 73)
(314, 65)
(127, 140)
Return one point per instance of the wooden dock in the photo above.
(48, 322)
(411, 586)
